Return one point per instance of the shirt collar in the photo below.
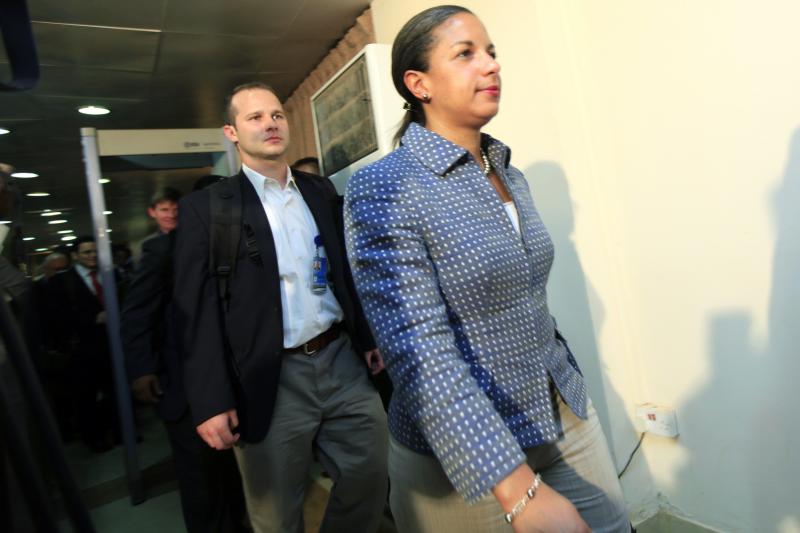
(260, 181)
(82, 270)
(440, 155)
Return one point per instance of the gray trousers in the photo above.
(578, 466)
(326, 406)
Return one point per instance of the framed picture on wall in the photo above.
(344, 118)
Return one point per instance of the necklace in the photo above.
(487, 167)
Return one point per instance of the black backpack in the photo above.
(227, 223)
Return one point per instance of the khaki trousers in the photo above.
(326, 406)
(578, 466)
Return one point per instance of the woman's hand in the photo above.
(547, 512)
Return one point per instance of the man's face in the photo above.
(165, 214)
(56, 265)
(260, 128)
(86, 255)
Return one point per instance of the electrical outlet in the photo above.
(658, 419)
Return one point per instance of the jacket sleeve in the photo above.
(364, 341)
(398, 284)
(143, 309)
(207, 381)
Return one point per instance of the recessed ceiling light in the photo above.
(48, 213)
(66, 231)
(28, 238)
(108, 212)
(69, 238)
(57, 222)
(94, 110)
(38, 194)
(42, 249)
(3, 131)
(24, 175)
(104, 180)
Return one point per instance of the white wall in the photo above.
(662, 143)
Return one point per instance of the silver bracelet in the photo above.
(529, 494)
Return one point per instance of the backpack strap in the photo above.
(225, 197)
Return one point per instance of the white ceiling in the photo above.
(156, 64)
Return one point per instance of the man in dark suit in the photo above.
(79, 325)
(277, 366)
(52, 364)
(208, 481)
(143, 326)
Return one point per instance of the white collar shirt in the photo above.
(305, 314)
(85, 275)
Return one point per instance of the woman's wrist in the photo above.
(511, 489)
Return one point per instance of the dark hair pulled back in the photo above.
(410, 51)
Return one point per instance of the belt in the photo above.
(319, 342)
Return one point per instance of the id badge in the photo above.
(319, 271)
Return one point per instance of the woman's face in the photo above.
(463, 78)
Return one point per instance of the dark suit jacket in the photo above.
(75, 310)
(234, 359)
(149, 337)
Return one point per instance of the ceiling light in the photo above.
(28, 238)
(66, 231)
(57, 222)
(3, 131)
(108, 212)
(42, 249)
(94, 110)
(24, 175)
(69, 238)
(38, 194)
(104, 180)
(109, 230)
(5, 222)
(48, 213)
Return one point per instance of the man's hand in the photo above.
(100, 318)
(147, 389)
(216, 431)
(374, 361)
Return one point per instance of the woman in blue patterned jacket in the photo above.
(490, 421)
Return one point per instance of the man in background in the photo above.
(79, 325)
(309, 165)
(208, 482)
(52, 363)
(163, 209)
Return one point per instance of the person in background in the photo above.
(12, 246)
(163, 209)
(451, 260)
(79, 326)
(309, 165)
(53, 363)
(123, 261)
(208, 481)
(53, 264)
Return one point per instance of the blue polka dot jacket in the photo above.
(457, 301)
